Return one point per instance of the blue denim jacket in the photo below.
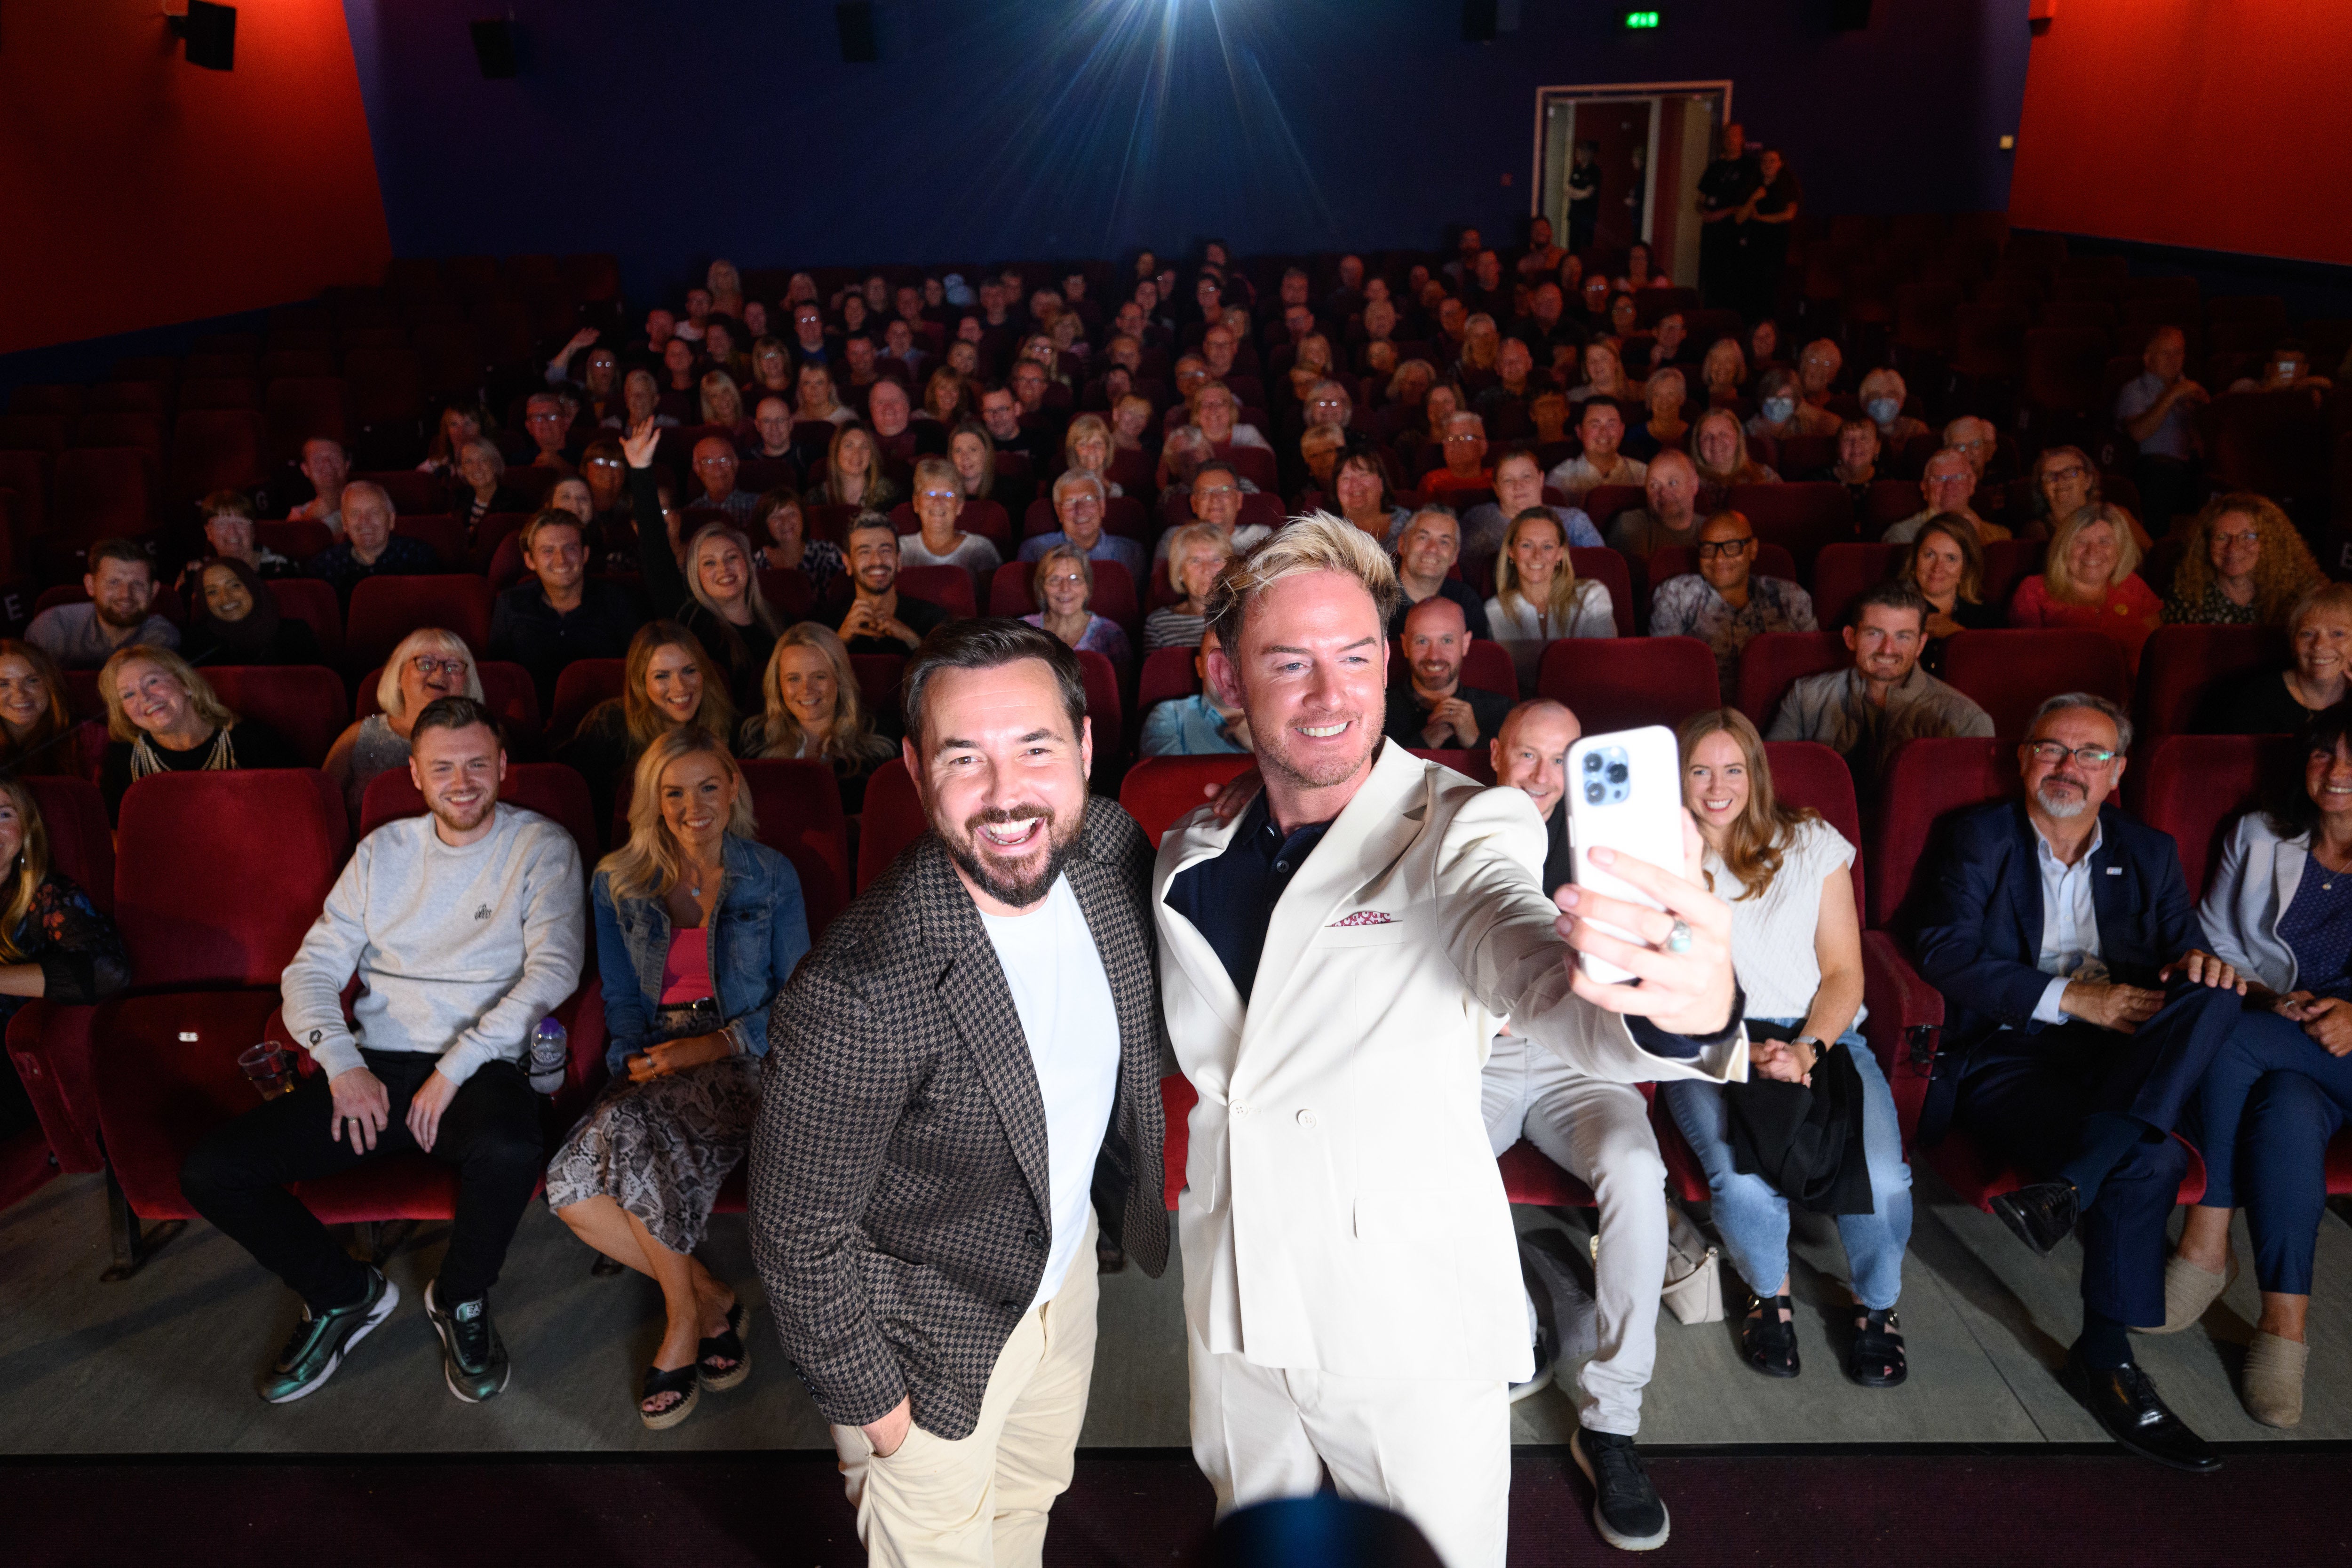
(758, 931)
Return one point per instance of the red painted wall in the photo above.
(2222, 124)
(137, 190)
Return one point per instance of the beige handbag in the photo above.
(1694, 1286)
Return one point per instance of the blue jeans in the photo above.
(1752, 1216)
(2265, 1112)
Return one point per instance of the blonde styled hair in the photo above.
(2281, 572)
(1562, 603)
(719, 394)
(761, 611)
(430, 639)
(649, 864)
(1317, 541)
(23, 881)
(201, 695)
(776, 733)
(1084, 425)
(1765, 829)
(1182, 540)
(2058, 577)
(1743, 470)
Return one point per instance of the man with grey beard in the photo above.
(2082, 1009)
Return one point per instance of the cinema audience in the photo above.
(694, 899)
(1426, 553)
(813, 710)
(56, 944)
(1885, 697)
(429, 664)
(2089, 580)
(1539, 596)
(1431, 708)
(1197, 555)
(119, 613)
(1079, 506)
(236, 620)
(1947, 485)
(2317, 678)
(939, 502)
(369, 547)
(1063, 587)
(163, 717)
(39, 733)
(782, 526)
(667, 680)
(1599, 427)
(1723, 604)
(1946, 565)
(558, 613)
(1520, 485)
(710, 589)
(2244, 566)
(873, 615)
(1197, 725)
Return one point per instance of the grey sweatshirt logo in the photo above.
(483, 913)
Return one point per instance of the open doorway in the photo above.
(1642, 146)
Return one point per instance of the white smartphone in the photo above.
(1624, 794)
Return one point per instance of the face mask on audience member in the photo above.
(673, 684)
(1778, 410)
(1883, 411)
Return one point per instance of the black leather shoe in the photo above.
(2042, 1214)
(2124, 1400)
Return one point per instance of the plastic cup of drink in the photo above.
(268, 1070)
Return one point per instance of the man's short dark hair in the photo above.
(988, 642)
(1898, 594)
(1220, 466)
(458, 713)
(1599, 400)
(869, 523)
(126, 549)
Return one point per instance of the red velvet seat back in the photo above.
(1168, 673)
(2179, 665)
(1774, 661)
(81, 845)
(1158, 791)
(1926, 780)
(303, 702)
(948, 587)
(1844, 572)
(308, 600)
(218, 875)
(1801, 518)
(386, 609)
(581, 685)
(1610, 570)
(2009, 673)
(1621, 683)
(2195, 787)
(1807, 774)
(798, 805)
(893, 819)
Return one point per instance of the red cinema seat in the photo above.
(297, 539)
(1177, 1099)
(1604, 503)
(2008, 562)
(47, 397)
(1622, 683)
(26, 476)
(303, 702)
(36, 432)
(144, 431)
(1475, 763)
(1262, 509)
(219, 874)
(878, 680)
(239, 392)
(893, 819)
(1610, 570)
(445, 533)
(948, 587)
(507, 687)
(555, 791)
(1254, 463)
(580, 686)
(386, 609)
(2195, 787)
(81, 843)
(386, 384)
(1844, 572)
(1486, 665)
(1104, 708)
(1774, 661)
(2063, 367)
(2008, 673)
(1801, 518)
(411, 491)
(2180, 665)
(1010, 592)
(301, 407)
(788, 588)
(103, 490)
(1168, 673)
(798, 805)
(1159, 792)
(308, 600)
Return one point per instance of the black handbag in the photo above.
(1804, 1140)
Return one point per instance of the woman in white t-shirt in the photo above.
(1796, 947)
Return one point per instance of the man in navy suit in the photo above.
(2083, 1010)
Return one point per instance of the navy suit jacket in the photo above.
(1979, 935)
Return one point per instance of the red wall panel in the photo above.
(2220, 124)
(137, 190)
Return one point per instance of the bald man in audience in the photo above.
(1432, 710)
(1948, 485)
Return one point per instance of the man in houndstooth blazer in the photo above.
(904, 1202)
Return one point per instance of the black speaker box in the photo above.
(494, 49)
(211, 32)
(856, 20)
(1477, 21)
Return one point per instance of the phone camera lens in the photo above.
(1617, 772)
(1593, 793)
(1592, 764)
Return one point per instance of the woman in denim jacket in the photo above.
(697, 928)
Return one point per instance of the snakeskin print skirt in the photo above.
(661, 1149)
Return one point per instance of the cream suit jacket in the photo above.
(1341, 1210)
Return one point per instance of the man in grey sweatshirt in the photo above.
(465, 928)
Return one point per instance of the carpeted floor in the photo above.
(1129, 1509)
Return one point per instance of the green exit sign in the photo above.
(1642, 21)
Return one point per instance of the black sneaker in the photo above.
(1625, 1506)
(321, 1339)
(473, 1357)
(1540, 1379)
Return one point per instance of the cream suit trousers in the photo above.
(1437, 1450)
(980, 1501)
(1601, 1134)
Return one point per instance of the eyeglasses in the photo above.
(940, 495)
(426, 664)
(603, 463)
(1213, 491)
(2072, 472)
(1710, 548)
(1066, 580)
(2248, 537)
(2055, 752)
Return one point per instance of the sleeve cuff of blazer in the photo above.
(1688, 1047)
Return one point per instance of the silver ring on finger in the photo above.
(1678, 937)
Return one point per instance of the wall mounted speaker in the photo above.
(855, 21)
(1849, 16)
(494, 49)
(1478, 21)
(211, 34)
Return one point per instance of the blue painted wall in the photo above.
(670, 133)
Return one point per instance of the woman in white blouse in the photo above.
(1538, 596)
(1796, 946)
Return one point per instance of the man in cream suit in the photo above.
(1334, 962)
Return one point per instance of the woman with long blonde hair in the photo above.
(694, 899)
(54, 945)
(2090, 582)
(814, 710)
(165, 718)
(1796, 948)
(2244, 566)
(1539, 597)
(722, 400)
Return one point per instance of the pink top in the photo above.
(686, 971)
(2128, 612)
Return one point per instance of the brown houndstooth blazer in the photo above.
(899, 1209)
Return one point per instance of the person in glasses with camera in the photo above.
(2083, 1007)
(463, 926)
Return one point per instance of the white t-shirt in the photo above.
(1063, 994)
(1772, 937)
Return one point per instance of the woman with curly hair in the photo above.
(2245, 564)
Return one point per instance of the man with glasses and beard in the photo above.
(962, 1087)
(2082, 1009)
(1337, 959)
(465, 927)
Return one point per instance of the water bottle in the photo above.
(551, 1056)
